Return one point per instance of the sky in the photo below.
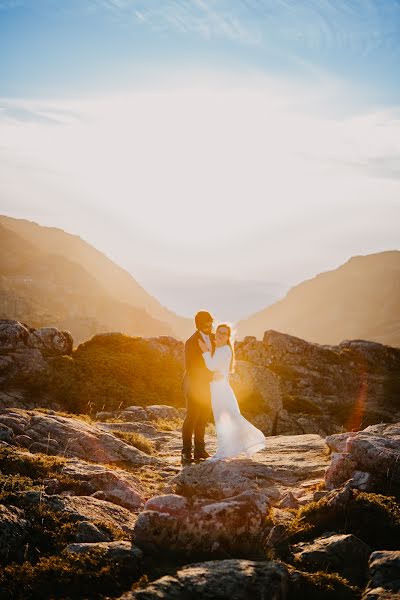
(205, 145)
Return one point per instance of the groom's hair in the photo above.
(202, 317)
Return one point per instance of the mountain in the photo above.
(358, 300)
(50, 276)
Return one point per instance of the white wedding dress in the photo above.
(235, 435)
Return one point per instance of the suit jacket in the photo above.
(196, 379)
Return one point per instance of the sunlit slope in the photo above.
(359, 299)
(46, 289)
(117, 281)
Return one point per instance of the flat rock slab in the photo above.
(288, 463)
(115, 485)
(219, 580)
(85, 508)
(68, 436)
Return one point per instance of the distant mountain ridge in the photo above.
(358, 300)
(50, 276)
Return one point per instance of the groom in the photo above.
(196, 389)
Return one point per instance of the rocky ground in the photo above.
(98, 506)
(306, 518)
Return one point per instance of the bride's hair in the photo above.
(229, 343)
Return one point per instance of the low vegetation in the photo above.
(374, 518)
(136, 439)
(108, 373)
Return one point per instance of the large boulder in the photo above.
(373, 452)
(345, 554)
(49, 340)
(224, 479)
(384, 568)
(13, 532)
(202, 527)
(25, 351)
(219, 580)
(325, 388)
(67, 436)
(82, 508)
(114, 485)
(258, 391)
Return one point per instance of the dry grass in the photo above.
(168, 424)
(82, 416)
(137, 440)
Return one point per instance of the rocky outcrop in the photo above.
(83, 509)
(370, 458)
(218, 508)
(327, 388)
(59, 435)
(113, 485)
(239, 579)
(284, 385)
(25, 351)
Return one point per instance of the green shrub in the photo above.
(112, 372)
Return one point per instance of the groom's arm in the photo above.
(194, 362)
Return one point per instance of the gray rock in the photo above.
(384, 567)
(13, 532)
(74, 437)
(116, 550)
(219, 580)
(191, 527)
(88, 532)
(374, 451)
(224, 479)
(345, 554)
(83, 508)
(161, 411)
(116, 485)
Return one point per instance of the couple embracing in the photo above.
(209, 360)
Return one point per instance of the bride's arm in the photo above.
(211, 362)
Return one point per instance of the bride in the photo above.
(235, 435)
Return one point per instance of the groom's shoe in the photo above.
(201, 454)
(186, 457)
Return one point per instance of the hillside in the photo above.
(50, 289)
(86, 274)
(358, 300)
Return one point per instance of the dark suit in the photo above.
(196, 388)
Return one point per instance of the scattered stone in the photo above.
(88, 532)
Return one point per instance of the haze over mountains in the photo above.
(50, 277)
(358, 300)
